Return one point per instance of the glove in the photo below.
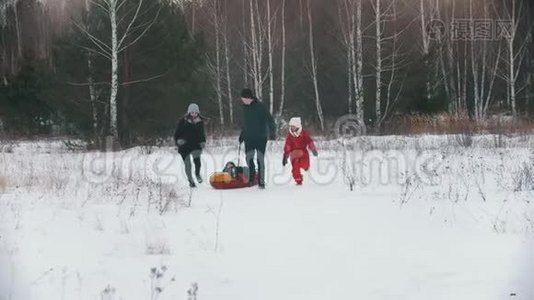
(284, 161)
(314, 152)
(202, 145)
(180, 142)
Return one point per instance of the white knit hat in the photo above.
(193, 108)
(295, 122)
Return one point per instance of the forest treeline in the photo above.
(129, 68)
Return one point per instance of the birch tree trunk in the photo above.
(426, 49)
(358, 78)
(350, 24)
(301, 18)
(515, 56)
(465, 68)
(350, 63)
(254, 49)
(391, 99)
(193, 18)
(260, 47)
(114, 71)
(378, 70)
(17, 30)
(474, 69)
(453, 100)
(245, 50)
(511, 83)
(354, 56)
(218, 72)
(93, 98)
(283, 67)
(511, 62)
(227, 61)
(314, 68)
(119, 43)
(270, 54)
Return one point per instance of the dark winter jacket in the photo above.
(192, 131)
(257, 123)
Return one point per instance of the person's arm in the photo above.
(287, 147)
(287, 150)
(310, 143)
(241, 127)
(179, 131)
(202, 133)
(270, 123)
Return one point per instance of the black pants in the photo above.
(256, 147)
(186, 156)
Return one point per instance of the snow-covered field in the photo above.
(430, 217)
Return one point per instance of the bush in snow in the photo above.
(524, 178)
(74, 145)
(164, 197)
(108, 293)
(192, 292)
(462, 140)
(410, 185)
(157, 247)
(157, 278)
(6, 146)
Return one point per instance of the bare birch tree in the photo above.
(244, 43)
(270, 49)
(314, 67)
(255, 50)
(283, 64)
(392, 62)
(227, 64)
(358, 68)
(345, 14)
(120, 40)
(350, 12)
(378, 67)
(5, 7)
(516, 50)
(427, 11)
(484, 66)
(214, 60)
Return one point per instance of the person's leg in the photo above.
(187, 164)
(295, 171)
(198, 164)
(249, 152)
(260, 147)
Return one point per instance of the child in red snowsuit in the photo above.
(298, 141)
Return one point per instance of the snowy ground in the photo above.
(429, 218)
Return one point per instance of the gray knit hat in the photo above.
(193, 108)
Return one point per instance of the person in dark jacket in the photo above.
(257, 125)
(190, 139)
